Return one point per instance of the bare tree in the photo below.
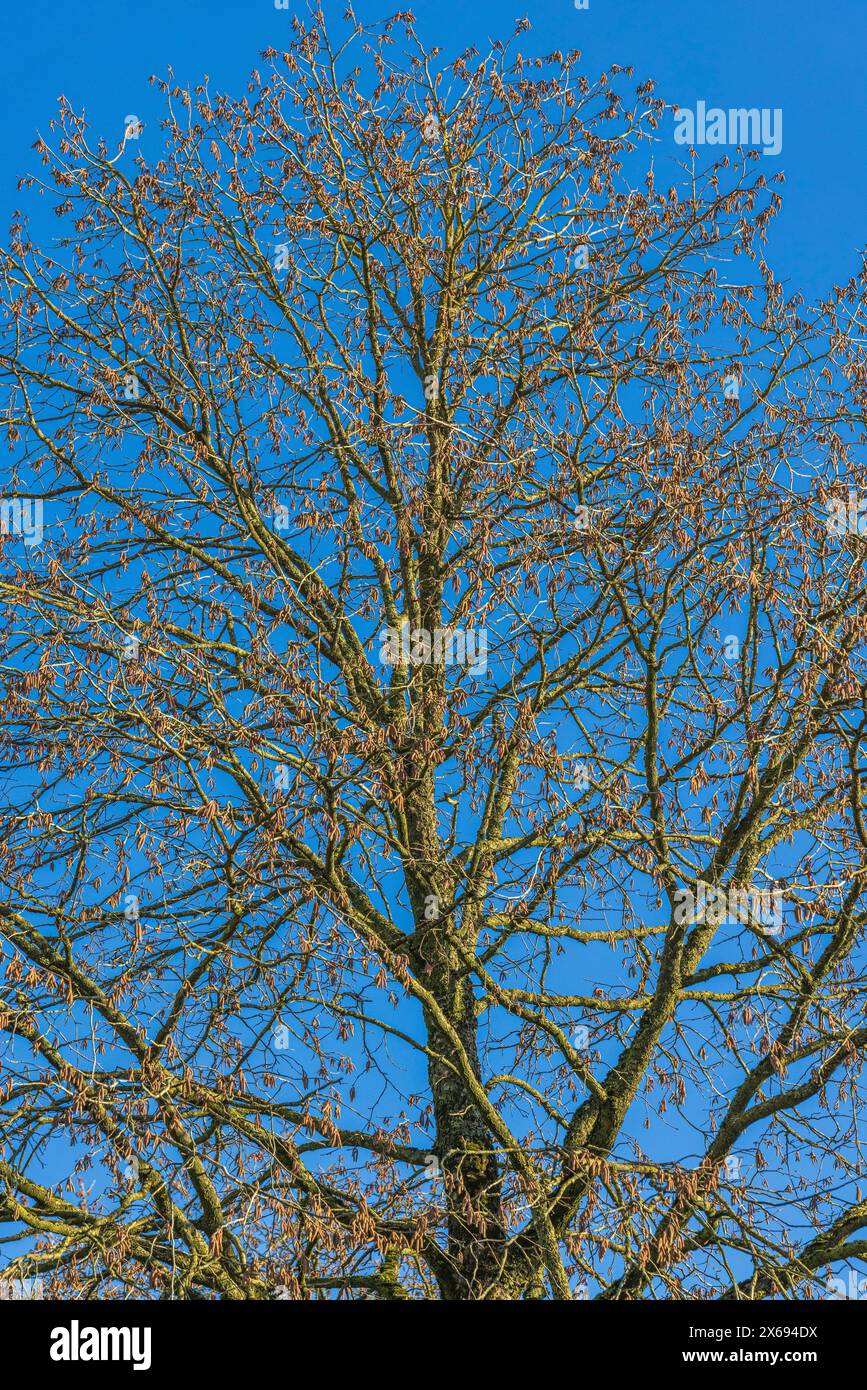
(433, 845)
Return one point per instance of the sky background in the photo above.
(804, 57)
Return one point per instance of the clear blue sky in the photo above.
(805, 56)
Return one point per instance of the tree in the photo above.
(433, 848)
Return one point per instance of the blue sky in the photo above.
(804, 57)
(801, 57)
